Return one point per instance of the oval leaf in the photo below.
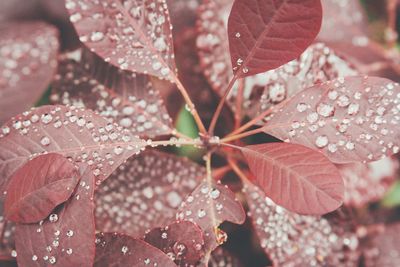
(132, 102)
(265, 34)
(132, 35)
(181, 241)
(28, 63)
(67, 236)
(296, 177)
(119, 250)
(208, 206)
(38, 187)
(349, 120)
(291, 239)
(157, 182)
(76, 133)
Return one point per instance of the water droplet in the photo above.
(201, 213)
(321, 141)
(301, 107)
(325, 110)
(45, 141)
(53, 218)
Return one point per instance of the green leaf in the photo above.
(392, 198)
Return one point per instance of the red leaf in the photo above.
(121, 250)
(67, 236)
(38, 187)
(349, 120)
(74, 133)
(28, 63)
(296, 177)
(265, 34)
(133, 35)
(132, 102)
(181, 241)
(220, 257)
(365, 183)
(157, 183)
(291, 239)
(208, 206)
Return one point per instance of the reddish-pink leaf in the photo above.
(131, 102)
(291, 239)
(78, 134)
(67, 236)
(120, 250)
(28, 52)
(208, 206)
(383, 247)
(349, 120)
(132, 35)
(365, 183)
(221, 257)
(38, 187)
(7, 244)
(298, 178)
(145, 192)
(265, 34)
(181, 241)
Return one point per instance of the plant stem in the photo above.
(234, 137)
(392, 34)
(219, 173)
(183, 136)
(237, 170)
(221, 105)
(175, 143)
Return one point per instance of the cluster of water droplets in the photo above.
(76, 133)
(139, 108)
(343, 116)
(145, 192)
(137, 35)
(297, 240)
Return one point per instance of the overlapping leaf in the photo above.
(121, 250)
(264, 35)
(145, 192)
(291, 239)
(75, 133)
(318, 63)
(365, 183)
(296, 177)
(28, 52)
(134, 34)
(181, 241)
(349, 120)
(208, 206)
(38, 187)
(131, 101)
(67, 236)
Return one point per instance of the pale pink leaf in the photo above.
(291, 239)
(78, 134)
(28, 63)
(120, 250)
(132, 35)
(38, 187)
(298, 178)
(349, 120)
(366, 183)
(208, 206)
(67, 236)
(265, 34)
(145, 192)
(131, 102)
(181, 241)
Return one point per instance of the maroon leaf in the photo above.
(38, 187)
(349, 120)
(132, 35)
(264, 35)
(383, 247)
(208, 206)
(365, 183)
(145, 192)
(67, 236)
(296, 177)
(28, 52)
(132, 102)
(74, 133)
(121, 250)
(291, 239)
(181, 241)
(220, 257)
